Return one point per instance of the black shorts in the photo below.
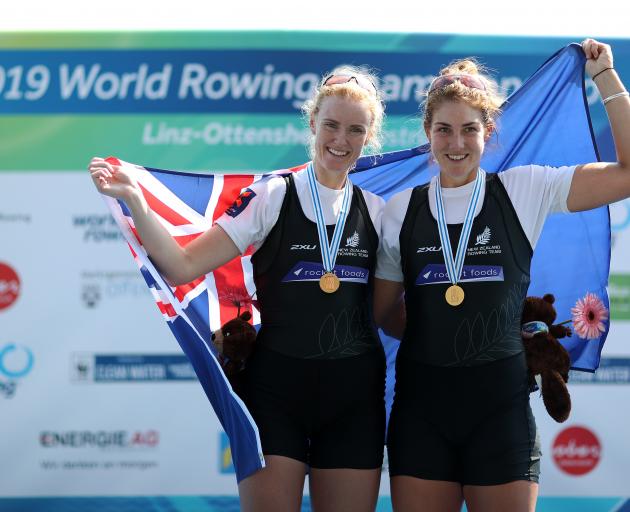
(325, 413)
(469, 425)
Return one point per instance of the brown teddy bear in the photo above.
(545, 354)
(234, 343)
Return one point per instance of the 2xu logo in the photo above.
(576, 451)
(9, 286)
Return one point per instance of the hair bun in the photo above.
(468, 66)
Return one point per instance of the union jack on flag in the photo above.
(545, 122)
(187, 205)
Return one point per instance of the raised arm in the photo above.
(179, 265)
(600, 183)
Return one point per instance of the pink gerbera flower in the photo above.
(589, 315)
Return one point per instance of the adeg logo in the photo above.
(9, 286)
(576, 451)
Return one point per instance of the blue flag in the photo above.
(545, 122)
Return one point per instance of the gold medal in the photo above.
(454, 295)
(329, 282)
(454, 266)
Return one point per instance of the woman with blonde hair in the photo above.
(315, 382)
(461, 428)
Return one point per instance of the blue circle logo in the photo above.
(15, 361)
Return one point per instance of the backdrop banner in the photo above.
(101, 406)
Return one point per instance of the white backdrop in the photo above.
(78, 423)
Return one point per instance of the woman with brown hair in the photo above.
(461, 427)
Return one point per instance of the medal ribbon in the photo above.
(329, 252)
(454, 267)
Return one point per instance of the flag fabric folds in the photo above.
(545, 122)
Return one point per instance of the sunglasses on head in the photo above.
(361, 81)
(470, 81)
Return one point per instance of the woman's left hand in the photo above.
(598, 56)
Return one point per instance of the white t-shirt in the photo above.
(252, 225)
(535, 192)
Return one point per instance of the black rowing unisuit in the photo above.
(486, 326)
(297, 318)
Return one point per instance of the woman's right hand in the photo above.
(112, 180)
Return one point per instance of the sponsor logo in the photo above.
(611, 370)
(576, 451)
(97, 228)
(353, 241)
(100, 439)
(9, 286)
(428, 249)
(241, 202)
(105, 285)
(309, 271)
(484, 237)
(303, 247)
(435, 274)
(82, 367)
(91, 295)
(226, 466)
(16, 362)
(481, 247)
(108, 368)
